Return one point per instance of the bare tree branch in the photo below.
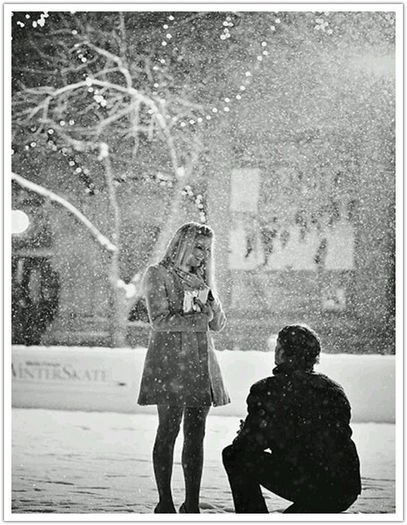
(103, 241)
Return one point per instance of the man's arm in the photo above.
(253, 434)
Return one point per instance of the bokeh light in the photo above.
(19, 221)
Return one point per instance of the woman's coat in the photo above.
(181, 367)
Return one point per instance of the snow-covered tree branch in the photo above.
(40, 190)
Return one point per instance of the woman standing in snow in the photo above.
(181, 374)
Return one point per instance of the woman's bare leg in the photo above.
(169, 421)
(192, 456)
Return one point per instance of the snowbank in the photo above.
(105, 379)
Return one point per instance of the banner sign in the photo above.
(57, 371)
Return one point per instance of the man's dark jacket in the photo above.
(303, 418)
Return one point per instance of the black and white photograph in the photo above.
(203, 262)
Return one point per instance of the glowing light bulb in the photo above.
(19, 221)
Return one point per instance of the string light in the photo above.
(41, 20)
(35, 23)
(322, 25)
(248, 75)
(167, 38)
(73, 163)
(197, 199)
(226, 24)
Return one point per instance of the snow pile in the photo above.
(105, 379)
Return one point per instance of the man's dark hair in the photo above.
(301, 346)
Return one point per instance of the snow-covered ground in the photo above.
(82, 445)
(92, 463)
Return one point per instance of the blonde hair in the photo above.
(179, 248)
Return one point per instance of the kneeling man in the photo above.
(303, 419)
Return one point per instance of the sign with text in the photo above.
(57, 371)
(76, 378)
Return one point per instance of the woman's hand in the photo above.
(205, 309)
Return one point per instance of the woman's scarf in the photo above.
(189, 279)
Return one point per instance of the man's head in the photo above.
(297, 346)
